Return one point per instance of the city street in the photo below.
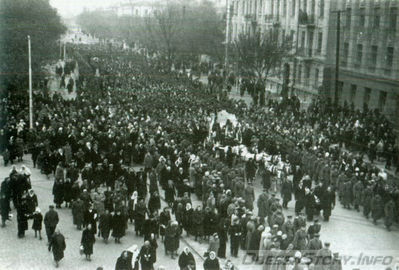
(30, 253)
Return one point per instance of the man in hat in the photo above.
(249, 196)
(50, 222)
(328, 202)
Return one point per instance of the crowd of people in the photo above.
(134, 111)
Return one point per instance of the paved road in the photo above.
(348, 231)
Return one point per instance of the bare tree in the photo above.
(259, 54)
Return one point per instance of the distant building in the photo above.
(369, 47)
(137, 8)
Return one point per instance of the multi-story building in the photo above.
(369, 44)
(137, 8)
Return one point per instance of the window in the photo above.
(307, 74)
(367, 94)
(293, 8)
(353, 93)
(393, 14)
(348, 17)
(362, 18)
(389, 60)
(376, 17)
(310, 46)
(345, 55)
(382, 100)
(305, 6)
(373, 58)
(316, 78)
(359, 55)
(299, 74)
(292, 33)
(321, 4)
(319, 42)
(303, 40)
(338, 91)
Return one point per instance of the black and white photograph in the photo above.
(199, 134)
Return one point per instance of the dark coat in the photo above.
(124, 263)
(78, 212)
(105, 225)
(58, 192)
(147, 258)
(57, 244)
(37, 221)
(185, 259)
(118, 226)
(211, 264)
(51, 218)
(87, 241)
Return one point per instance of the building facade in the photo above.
(368, 70)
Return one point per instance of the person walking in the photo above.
(58, 246)
(50, 222)
(37, 222)
(186, 259)
(87, 241)
(211, 262)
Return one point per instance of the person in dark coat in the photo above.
(198, 223)
(5, 197)
(164, 219)
(78, 213)
(309, 204)
(58, 192)
(57, 245)
(389, 210)
(154, 203)
(139, 216)
(105, 225)
(118, 226)
(254, 243)
(90, 217)
(186, 258)
(170, 193)
(37, 222)
(124, 262)
(146, 256)
(286, 191)
(222, 233)
(67, 188)
(22, 217)
(327, 203)
(31, 201)
(50, 222)
(87, 241)
(211, 262)
(172, 238)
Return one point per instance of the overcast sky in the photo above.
(68, 8)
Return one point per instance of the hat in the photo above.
(289, 216)
(336, 254)
(51, 206)
(275, 226)
(327, 244)
(316, 235)
(316, 220)
(279, 233)
(298, 254)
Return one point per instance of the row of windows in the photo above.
(372, 59)
(275, 6)
(382, 95)
(374, 18)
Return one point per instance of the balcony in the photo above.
(306, 20)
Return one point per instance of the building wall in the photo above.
(369, 25)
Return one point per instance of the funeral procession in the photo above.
(199, 134)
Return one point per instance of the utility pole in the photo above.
(338, 39)
(30, 87)
(296, 52)
(226, 45)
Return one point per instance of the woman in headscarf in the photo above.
(87, 241)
